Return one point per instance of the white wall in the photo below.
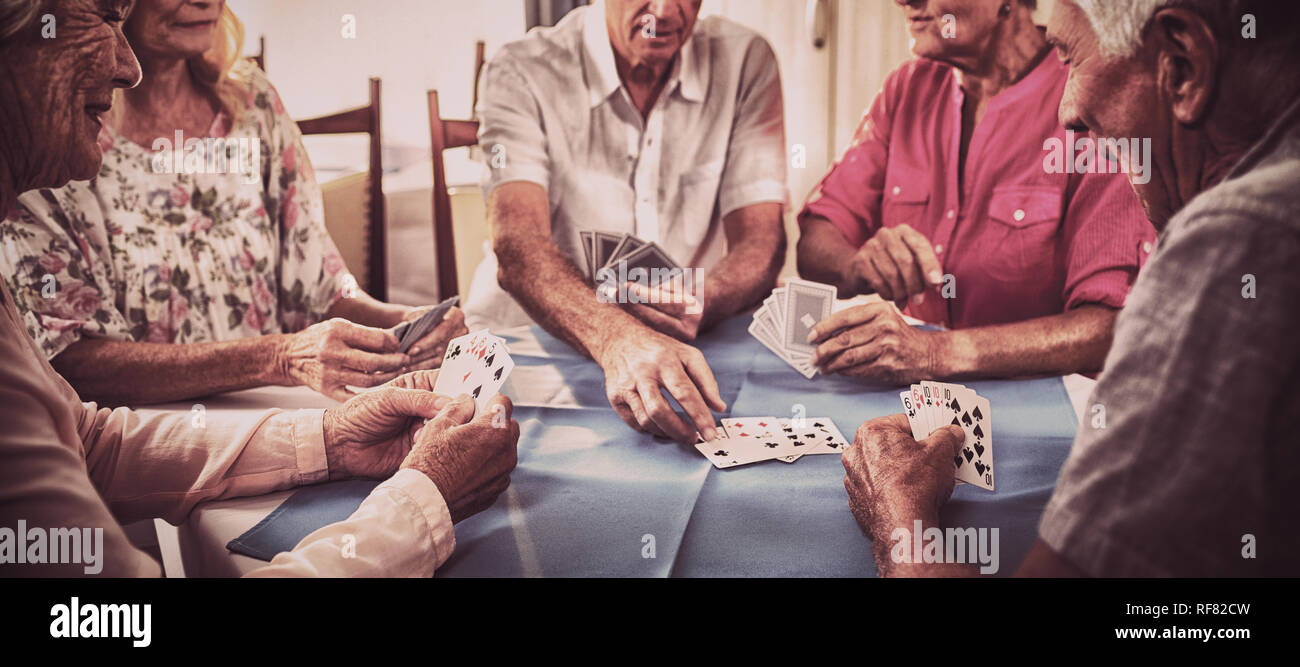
(413, 45)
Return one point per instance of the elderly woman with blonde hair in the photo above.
(197, 261)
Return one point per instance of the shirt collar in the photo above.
(686, 79)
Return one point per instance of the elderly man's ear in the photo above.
(1188, 53)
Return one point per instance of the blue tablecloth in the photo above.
(593, 498)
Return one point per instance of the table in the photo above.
(588, 490)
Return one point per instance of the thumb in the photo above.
(456, 413)
(415, 403)
(949, 437)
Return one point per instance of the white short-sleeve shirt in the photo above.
(554, 112)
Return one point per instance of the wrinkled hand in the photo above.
(873, 341)
(469, 461)
(894, 480)
(639, 365)
(668, 309)
(897, 263)
(427, 352)
(370, 435)
(334, 354)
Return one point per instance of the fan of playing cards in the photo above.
(933, 405)
(748, 440)
(783, 322)
(476, 364)
(606, 250)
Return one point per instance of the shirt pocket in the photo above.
(906, 198)
(697, 192)
(1023, 234)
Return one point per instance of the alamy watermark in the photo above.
(973, 546)
(219, 155)
(1086, 155)
(662, 285)
(52, 546)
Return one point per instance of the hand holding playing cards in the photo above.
(469, 461)
(370, 435)
(873, 341)
(639, 366)
(426, 352)
(335, 354)
(668, 309)
(893, 480)
(897, 263)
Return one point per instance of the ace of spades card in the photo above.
(476, 364)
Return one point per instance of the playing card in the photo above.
(409, 333)
(625, 247)
(800, 364)
(971, 412)
(913, 412)
(826, 437)
(586, 238)
(807, 303)
(726, 452)
(650, 256)
(476, 364)
(603, 245)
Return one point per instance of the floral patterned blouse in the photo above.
(176, 257)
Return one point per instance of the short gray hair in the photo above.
(16, 15)
(1119, 24)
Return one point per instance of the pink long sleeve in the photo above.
(71, 465)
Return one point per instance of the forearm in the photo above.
(551, 290)
(748, 272)
(364, 309)
(1073, 342)
(824, 256)
(894, 548)
(122, 373)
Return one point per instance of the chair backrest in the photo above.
(260, 58)
(365, 120)
(444, 135)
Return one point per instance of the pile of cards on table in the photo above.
(604, 249)
(783, 322)
(933, 405)
(746, 440)
(476, 364)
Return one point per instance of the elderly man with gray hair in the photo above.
(1188, 460)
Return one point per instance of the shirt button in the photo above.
(938, 250)
(952, 214)
(897, 190)
(1019, 215)
(1146, 247)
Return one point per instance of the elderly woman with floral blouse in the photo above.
(158, 281)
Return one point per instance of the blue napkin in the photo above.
(308, 509)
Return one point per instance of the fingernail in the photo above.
(936, 277)
(919, 299)
(415, 352)
(812, 335)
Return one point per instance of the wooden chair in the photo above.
(365, 120)
(445, 135)
(260, 58)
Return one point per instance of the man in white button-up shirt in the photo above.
(633, 117)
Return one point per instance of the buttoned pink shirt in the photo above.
(65, 464)
(1019, 242)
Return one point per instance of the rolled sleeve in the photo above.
(756, 170)
(849, 195)
(511, 130)
(1108, 239)
(402, 529)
